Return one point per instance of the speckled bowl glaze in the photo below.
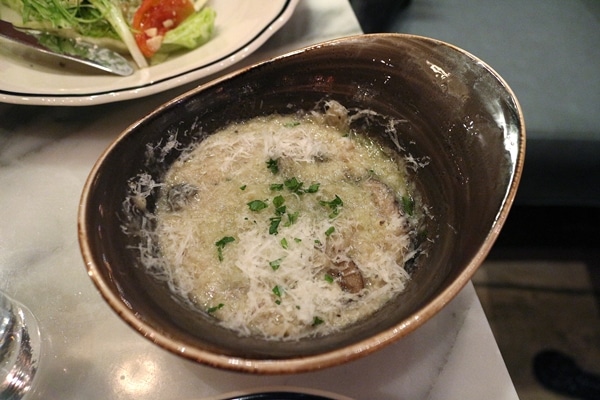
(459, 115)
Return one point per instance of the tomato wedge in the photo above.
(154, 18)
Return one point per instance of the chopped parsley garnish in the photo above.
(408, 205)
(272, 165)
(226, 239)
(221, 244)
(329, 231)
(278, 201)
(274, 225)
(243, 187)
(317, 321)
(329, 278)
(314, 188)
(280, 210)
(292, 218)
(284, 243)
(294, 185)
(257, 205)
(279, 207)
(215, 308)
(334, 205)
(277, 291)
(291, 124)
(275, 264)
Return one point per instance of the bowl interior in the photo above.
(458, 117)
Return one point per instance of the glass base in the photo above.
(20, 348)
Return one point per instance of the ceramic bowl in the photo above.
(458, 114)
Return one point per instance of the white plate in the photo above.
(241, 27)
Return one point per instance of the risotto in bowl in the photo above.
(307, 210)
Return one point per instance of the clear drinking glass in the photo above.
(20, 345)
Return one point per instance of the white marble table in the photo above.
(46, 154)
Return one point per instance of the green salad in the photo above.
(149, 30)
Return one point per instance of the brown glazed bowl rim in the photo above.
(327, 358)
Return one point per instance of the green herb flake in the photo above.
(408, 205)
(297, 240)
(221, 244)
(329, 278)
(275, 264)
(334, 205)
(292, 218)
(314, 188)
(257, 205)
(294, 185)
(276, 187)
(274, 225)
(291, 124)
(284, 243)
(272, 165)
(280, 210)
(329, 231)
(243, 187)
(277, 291)
(317, 321)
(226, 239)
(278, 201)
(215, 308)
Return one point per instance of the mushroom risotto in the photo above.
(287, 226)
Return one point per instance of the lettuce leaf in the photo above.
(193, 32)
(92, 19)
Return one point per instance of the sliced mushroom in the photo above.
(383, 197)
(348, 276)
(179, 196)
